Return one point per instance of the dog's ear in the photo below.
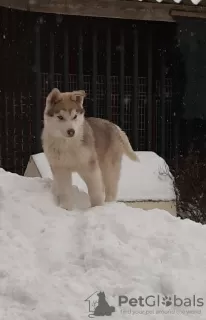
(54, 96)
(52, 99)
(78, 96)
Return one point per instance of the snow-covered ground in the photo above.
(52, 260)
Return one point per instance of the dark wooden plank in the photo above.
(150, 88)
(136, 10)
(135, 90)
(162, 103)
(51, 61)
(66, 58)
(94, 72)
(122, 42)
(37, 114)
(80, 61)
(124, 9)
(108, 77)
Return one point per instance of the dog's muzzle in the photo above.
(70, 132)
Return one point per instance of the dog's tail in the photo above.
(127, 146)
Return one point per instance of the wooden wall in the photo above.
(124, 9)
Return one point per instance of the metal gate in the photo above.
(124, 66)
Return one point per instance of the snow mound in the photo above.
(52, 260)
(149, 179)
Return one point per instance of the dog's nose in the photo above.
(70, 132)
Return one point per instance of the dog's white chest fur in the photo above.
(65, 152)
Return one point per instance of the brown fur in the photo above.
(94, 152)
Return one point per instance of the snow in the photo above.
(52, 260)
(149, 179)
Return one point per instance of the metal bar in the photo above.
(80, 62)
(51, 61)
(150, 89)
(94, 74)
(37, 115)
(122, 78)
(66, 59)
(108, 77)
(135, 90)
(162, 101)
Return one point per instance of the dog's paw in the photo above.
(110, 198)
(54, 188)
(55, 194)
(65, 203)
(56, 199)
(98, 201)
(66, 206)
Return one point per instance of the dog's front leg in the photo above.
(62, 187)
(93, 179)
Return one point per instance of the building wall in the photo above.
(134, 97)
(146, 101)
(124, 9)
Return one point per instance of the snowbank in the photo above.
(52, 260)
(147, 180)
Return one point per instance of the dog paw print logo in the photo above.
(98, 305)
(167, 301)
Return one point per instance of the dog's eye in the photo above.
(60, 117)
(75, 117)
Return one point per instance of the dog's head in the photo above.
(64, 112)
